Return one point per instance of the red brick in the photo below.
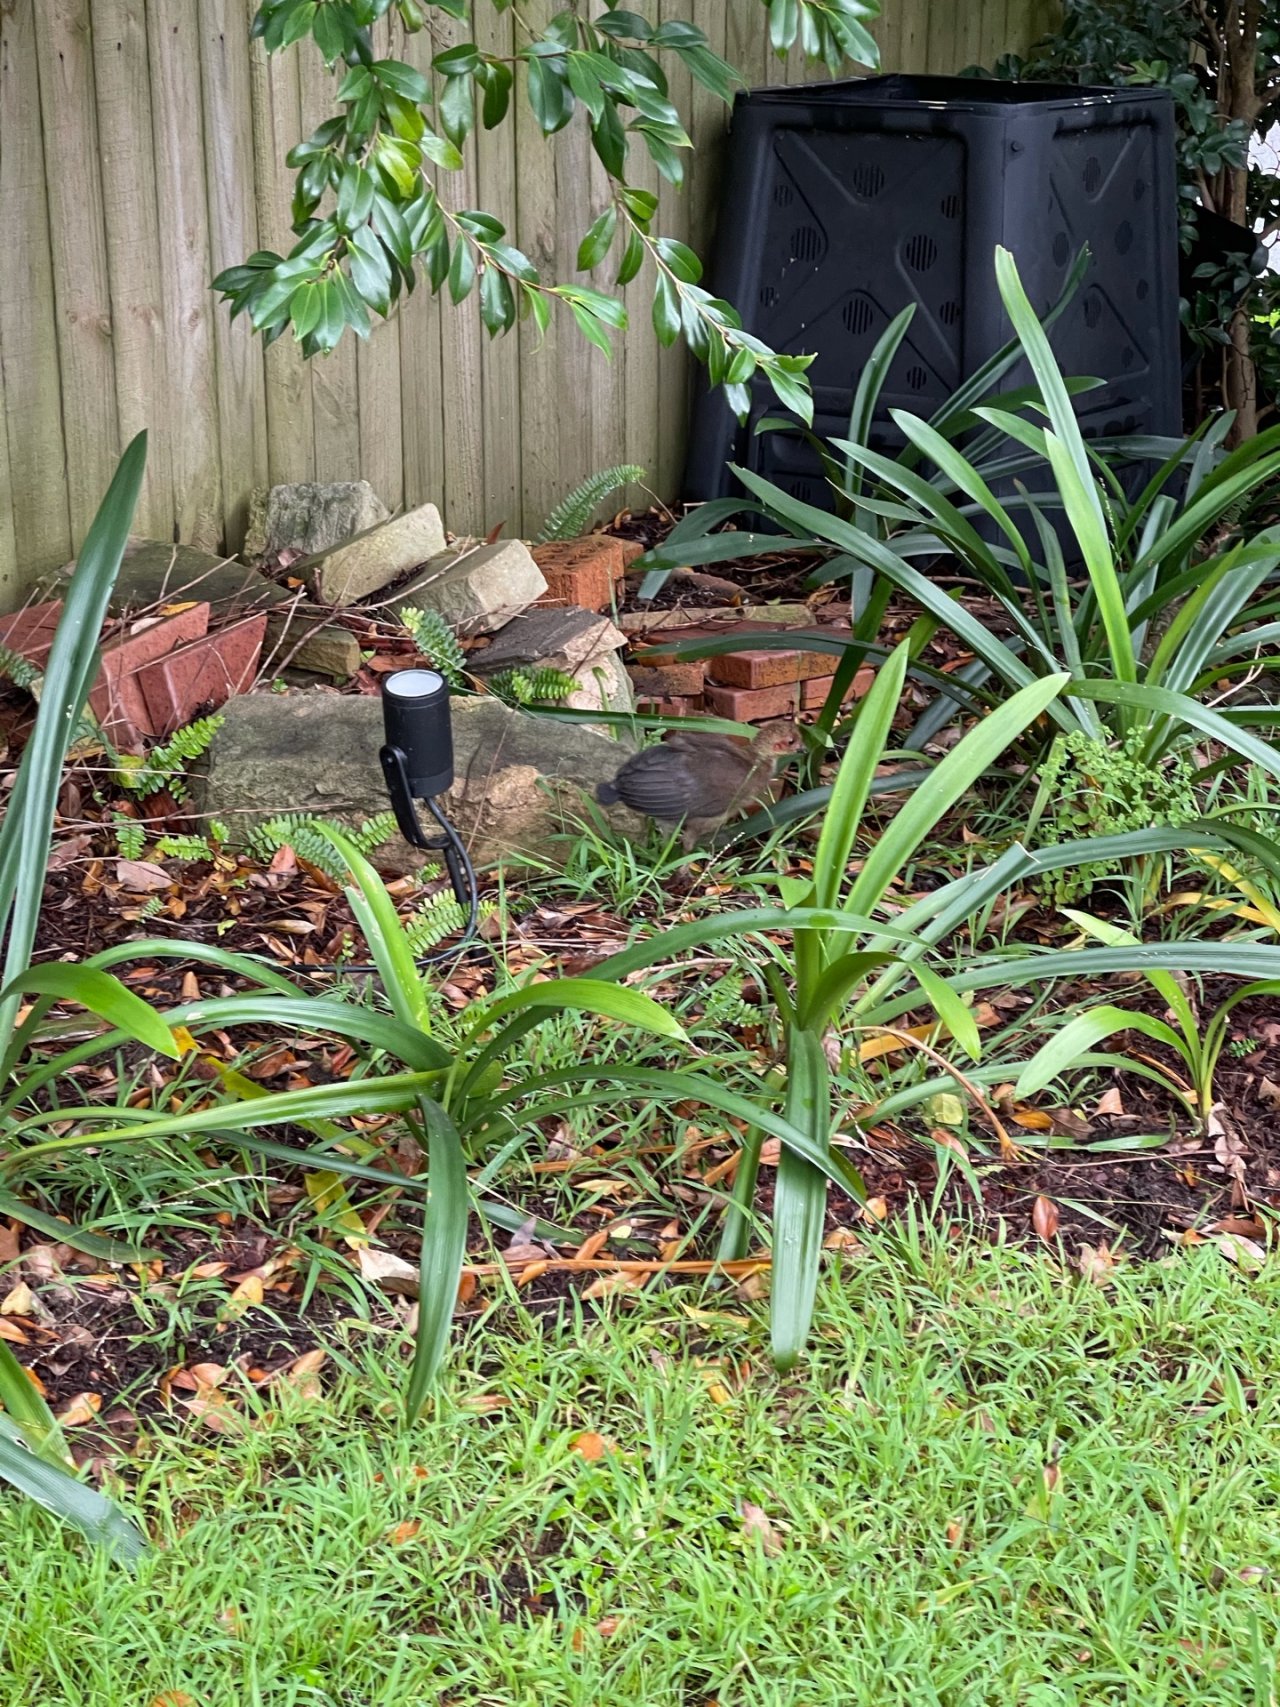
(30, 631)
(581, 572)
(814, 692)
(631, 549)
(767, 669)
(198, 678)
(680, 676)
(670, 705)
(749, 705)
(116, 698)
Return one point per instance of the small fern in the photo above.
(298, 831)
(437, 642)
(150, 908)
(440, 916)
(530, 686)
(163, 766)
(572, 515)
(131, 836)
(184, 848)
(19, 670)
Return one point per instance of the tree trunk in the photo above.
(1238, 86)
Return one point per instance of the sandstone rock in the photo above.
(374, 558)
(520, 779)
(310, 517)
(299, 640)
(154, 572)
(477, 590)
(577, 642)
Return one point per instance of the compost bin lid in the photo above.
(971, 94)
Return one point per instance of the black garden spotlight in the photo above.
(417, 762)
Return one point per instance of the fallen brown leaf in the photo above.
(756, 1524)
(592, 1446)
(1044, 1218)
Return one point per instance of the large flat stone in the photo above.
(310, 517)
(156, 573)
(520, 779)
(478, 590)
(374, 558)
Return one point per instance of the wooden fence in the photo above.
(141, 150)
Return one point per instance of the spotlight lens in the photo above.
(414, 684)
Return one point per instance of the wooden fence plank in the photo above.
(430, 409)
(186, 269)
(277, 125)
(241, 400)
(29, 371)
(500, 362)
(421, 355)
(335, 400)
(12, 583)
(135, 270)
(81, 292)
(461, 335)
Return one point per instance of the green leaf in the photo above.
(632, 259)
(384, 933)
(549, 94)
(666, 310)
(462, 270)
(441, 152)
(102, 995)
(583, 995)
(949, 1008)
(444, 1249)
(680, 258)
(598, 240)
(402, 79)
(497, 304)
(456, 108)
(1084, 1033)
(496, 80)
(800, 1201)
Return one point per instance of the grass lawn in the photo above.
(995, 1482)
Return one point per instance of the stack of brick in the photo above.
(586, 573)
(750, 685)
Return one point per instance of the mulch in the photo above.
(257, 1318)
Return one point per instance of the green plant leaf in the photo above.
(444, 1249)
(102, 995)
(1083, 1033)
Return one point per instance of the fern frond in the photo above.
(164, 765)
(440, 916)
(525, 685)
(298, 831)
(19, 670)
(131, 836)
(184, 848)
(436, 641)
(572, 515)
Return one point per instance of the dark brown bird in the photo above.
(698, 779)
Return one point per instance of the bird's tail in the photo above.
(607, 794)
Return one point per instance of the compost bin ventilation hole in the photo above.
(806, 244)
(868, 181)
(1062, 249)
(1092, 310)
(951, 207)
(768, 297)
(1127, 357)
(1124, 237)
(1092, 174)
(917, 378)
(857, 315)
(921, 253)
(1139, 188)
(949, 314)
(783, 195)
(1143, 290)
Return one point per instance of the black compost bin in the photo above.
(844, 202)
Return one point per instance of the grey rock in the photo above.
(310, 517)
(480, 589)
(154, 572)
(372, 559)
(299, 640)
(577, 642)
(520, 780)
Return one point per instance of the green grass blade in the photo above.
(956, 774)
(102, 995)
(583, 995)
(388, 944)
(28, 825)
(852, 786)
(800, 1201)
(1085, 1032)
(444, 1249)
